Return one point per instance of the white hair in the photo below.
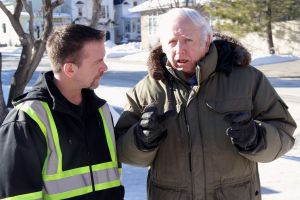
(196, 18)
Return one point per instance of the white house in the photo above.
(70, 11)
(9, 37)
(7, 34)
(150, 11)
(81, 12)
(127, 24)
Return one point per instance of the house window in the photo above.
(127, 26)
(80, 6)
(80, 12)
(152, 24)
(107, 12)
(30, 4)
(104, 12)
(133, 27)
(138, 25)
(135, 3)
(4, 28)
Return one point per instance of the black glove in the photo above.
(150, 132)
(245, 134)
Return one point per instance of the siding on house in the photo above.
(150, 11)
(127, 24)
(67, 13)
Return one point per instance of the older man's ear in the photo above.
(208, 42)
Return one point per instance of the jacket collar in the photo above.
(207, 65)
(45, 90)
(223, 55)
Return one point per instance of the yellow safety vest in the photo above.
(59, 184)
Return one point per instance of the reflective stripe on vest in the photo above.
(59, 184)
(30, 196)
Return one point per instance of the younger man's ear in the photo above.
(69, 69)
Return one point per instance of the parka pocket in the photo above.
(236, 191)
(163, 192)
(219, 109)
(230, 105)
(224, 156)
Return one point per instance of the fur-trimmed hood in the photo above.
(230, 54)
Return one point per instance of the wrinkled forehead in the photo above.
(178, 27)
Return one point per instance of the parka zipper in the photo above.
(189, 152)
(171, 82)
(190, 146)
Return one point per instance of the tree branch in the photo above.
(39, 49)
(161, 7)
(96, 13)
(48, 7)
(56, 3)
(5, 10)
(18, 9)
(3, 109)
(13, 20)
(28, 8)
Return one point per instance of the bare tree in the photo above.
(3, 109)
(96, 13)
(32, 48)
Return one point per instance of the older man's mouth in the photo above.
(182, 61)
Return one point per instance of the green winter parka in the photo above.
(197, 160)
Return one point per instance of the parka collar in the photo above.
(207, 65)
(224, 54)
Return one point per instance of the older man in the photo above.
(228, 117)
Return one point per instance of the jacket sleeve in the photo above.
(126, 147)
(22, 153)
(278, 126)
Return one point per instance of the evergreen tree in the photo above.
(243, 16)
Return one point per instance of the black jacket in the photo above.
(23, 146)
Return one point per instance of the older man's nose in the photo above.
(180, 48)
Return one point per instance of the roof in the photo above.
(79, 2)
(147, 5)
(7, 2)
(56, 15)
(132, 16)
(117, 2)
(158, 4)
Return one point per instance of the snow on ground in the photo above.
(114, 51)
(10, 51)
(271, 59)
(133, 52)
(140, 56)
(280, 179)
